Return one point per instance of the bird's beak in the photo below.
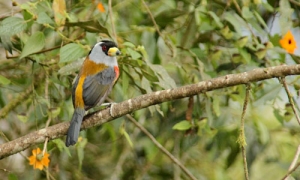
(113, 51)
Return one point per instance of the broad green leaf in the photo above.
(23, 118)
(71, 67)
(123, 132)
(55, 112)
(216, 19)
(128, 138)
(35, 43)
(260, 19)
(4, 80)
(286, 13)
(246, 56)
(11, 26)
(262, 132)
(268, 94)
(182, 125)
(6, 42)
(163, 77)
(12, 176)
(43, 18)
(71, 52)
(246, 13)
(133, 54)
(216, 106)
(145, 84)
(129, 44)
(236, 21)
(90, 26)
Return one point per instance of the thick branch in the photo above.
(144, 101)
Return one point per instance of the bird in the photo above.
(93, 83)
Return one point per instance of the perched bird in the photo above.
(94, 82)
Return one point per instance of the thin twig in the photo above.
(158, 31)
(291, 171)
(295, 2)
(242, 139)
(293, 164)
(161, 148)
(295, 158)
(282, 79)
(111, 17)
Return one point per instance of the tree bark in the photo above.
(143, 101)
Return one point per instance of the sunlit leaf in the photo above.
(12, 25)
(43, 18)
(182, 125)
(59, 9)
(71, 52)
(4, 80)
(35, 43)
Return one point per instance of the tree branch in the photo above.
(143, 101)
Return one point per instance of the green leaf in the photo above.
(123, 132)
(35, 43)
(182, 125)
(80, 150)
(12, 25)
(90, 26)
(23, 118)
(129, 44)
(165, 79)
(6, 42)
(61, 146)
(71, 67)
(236, 21)
(216, 19)
(216, 106)
(43, 18)
(12, 177)
(246, 13)
(260, 19)
(133, 54)
(71, 52)
(4, 80)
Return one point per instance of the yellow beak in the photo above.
(113, 51)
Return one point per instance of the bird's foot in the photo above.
(111, 109)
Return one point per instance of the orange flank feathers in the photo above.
(116, 68)
(89, 68)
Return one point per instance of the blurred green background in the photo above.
(44, 42)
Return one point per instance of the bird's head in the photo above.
(105, 52)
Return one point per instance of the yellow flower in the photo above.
(38, 160)
(288, 42)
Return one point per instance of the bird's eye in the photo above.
(104, 48)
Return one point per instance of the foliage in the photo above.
(46, 41)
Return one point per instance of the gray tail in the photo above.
(74, 128)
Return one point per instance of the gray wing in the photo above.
(97, 87)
